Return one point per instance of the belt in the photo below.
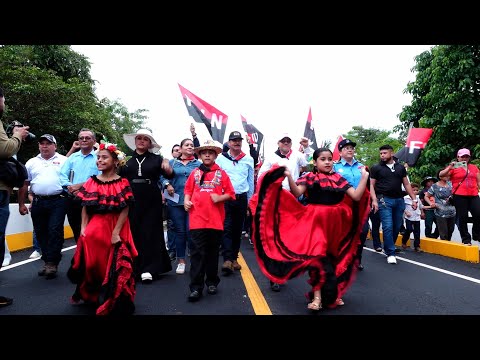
(48, 197)
(141, 181)
(241, 194)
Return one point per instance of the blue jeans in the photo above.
(36, 245)
(48, 217)
(171, 236)
(181, 227)
(4, 215)
(391, 215)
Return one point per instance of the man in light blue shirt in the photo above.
(351, 169)
(239, 167)
(75, 172)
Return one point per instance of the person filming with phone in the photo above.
(465, 179)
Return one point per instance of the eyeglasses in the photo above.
(285, 141)
(84, 138)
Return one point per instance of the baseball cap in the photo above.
(344, 143)
(235, 135)
(283, 136)
(48, 137)
(462, 152)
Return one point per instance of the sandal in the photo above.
(340, 302)
(314, 305)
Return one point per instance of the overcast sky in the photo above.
(272, 86)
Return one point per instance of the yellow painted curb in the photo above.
(22, 241)
(446, 248)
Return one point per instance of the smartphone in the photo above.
(460, 164)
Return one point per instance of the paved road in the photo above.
(420, 284)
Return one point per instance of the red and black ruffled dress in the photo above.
(102, 271)
(321, 237)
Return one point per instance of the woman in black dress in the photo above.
(143, 170)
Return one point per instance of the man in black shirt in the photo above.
(386, 179)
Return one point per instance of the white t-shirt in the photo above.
(293, 164)
(414, 215)
(44, 175)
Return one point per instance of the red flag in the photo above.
(336, 153)
(417, 139)
(203, 112)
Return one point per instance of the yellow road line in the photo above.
(260, 306)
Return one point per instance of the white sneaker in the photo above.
(180, 268)
(146, 277)
(35, 255)
(6, 262)
(391, 259)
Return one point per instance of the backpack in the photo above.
(13, 172)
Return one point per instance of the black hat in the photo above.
(48, 137)
(235, 135)
(428, 178)
(344, 143)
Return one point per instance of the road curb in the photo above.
(446, 248)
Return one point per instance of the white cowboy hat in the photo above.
(209, 145)
(130, 140)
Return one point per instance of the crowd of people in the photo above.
(299, 221)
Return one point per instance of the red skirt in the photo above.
(290, 238)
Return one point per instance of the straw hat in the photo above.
(209, 145)
(130, 140)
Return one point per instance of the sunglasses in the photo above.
(286, 141)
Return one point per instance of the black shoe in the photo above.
(275, 287)
(172, 256)
(398, 250)
(360, 267)
(195, 295)
(4, 301)
(212, 290)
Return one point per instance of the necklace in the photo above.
(140, 166)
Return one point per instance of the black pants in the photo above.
(463, 205)
(412, 226)
(235, 213)
(204, 254)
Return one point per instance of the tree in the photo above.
(50, 89)
(446, 99)
(369, 141)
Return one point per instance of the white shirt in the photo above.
(44, 175)
(293, 164)
(414, 215)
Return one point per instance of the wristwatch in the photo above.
(166, 184)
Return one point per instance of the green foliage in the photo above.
(49, 88)
(446, 99)
(369, 141)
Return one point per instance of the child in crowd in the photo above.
(206, 189)
(321, 237)
(438, 196)
(412, 219)
(102, 265)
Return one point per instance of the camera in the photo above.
(14, 124)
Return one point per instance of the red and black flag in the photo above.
(309, 132)
(416, 141)
(255, 136)
(203, 112)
